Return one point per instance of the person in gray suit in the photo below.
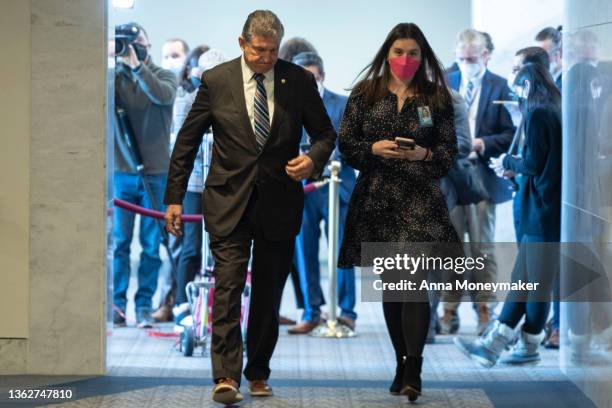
(257, 106)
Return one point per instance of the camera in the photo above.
(125, 35)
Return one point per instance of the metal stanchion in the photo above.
(331, 328)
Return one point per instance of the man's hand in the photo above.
(478, 145)
(174, 223)
(300, 168)
(131, 60)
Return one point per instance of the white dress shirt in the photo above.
(250, 86)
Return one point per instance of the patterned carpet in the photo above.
(308, 372)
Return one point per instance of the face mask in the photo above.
(141, 51)
(404, 67)
(511, 79)
(320, 87)
(520, 93)
(172, 64)
(470, 71)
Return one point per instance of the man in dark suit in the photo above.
(316, 209)
(257, 106)
(492, 132)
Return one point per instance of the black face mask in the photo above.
(141, 51)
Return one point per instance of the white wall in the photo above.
(513, 25)
(346, 33)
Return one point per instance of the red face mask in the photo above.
(404, 67)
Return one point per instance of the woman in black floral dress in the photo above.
(397, 198)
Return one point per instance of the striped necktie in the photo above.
(260, 113)
(469, 94)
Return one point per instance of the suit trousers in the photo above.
(478, 222)
(271, 260)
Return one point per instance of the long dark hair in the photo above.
(429, 80)
(191, 62)
(543, 91)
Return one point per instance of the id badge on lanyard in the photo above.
(425, 119)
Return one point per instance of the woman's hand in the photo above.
(419, 153)
(387, 149)
(390, 150)
(497, 165)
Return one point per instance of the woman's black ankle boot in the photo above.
(396, 386)
(411, 385)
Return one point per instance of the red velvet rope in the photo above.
(308, 188)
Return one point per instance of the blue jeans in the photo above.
(316, 206)
(190, 258)
(128, 187)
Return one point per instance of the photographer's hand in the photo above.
(173, 219)
(131, 60)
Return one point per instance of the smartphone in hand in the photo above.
(405, 143)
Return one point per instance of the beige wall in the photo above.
(14, 167)
(57, 199)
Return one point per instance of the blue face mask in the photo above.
(519, 93)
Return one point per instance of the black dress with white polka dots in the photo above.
(395, 200)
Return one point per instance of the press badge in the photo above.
(424, 116)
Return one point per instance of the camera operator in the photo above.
(146, 92)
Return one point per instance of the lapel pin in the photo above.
(283, 81)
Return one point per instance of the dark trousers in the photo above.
(271, 261)
(190, 258)
(534, 263)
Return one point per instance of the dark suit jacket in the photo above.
(237, 166)
(494, 126)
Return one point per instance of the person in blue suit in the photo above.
(316, 209)
(492, 133)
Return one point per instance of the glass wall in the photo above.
(586, 349)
